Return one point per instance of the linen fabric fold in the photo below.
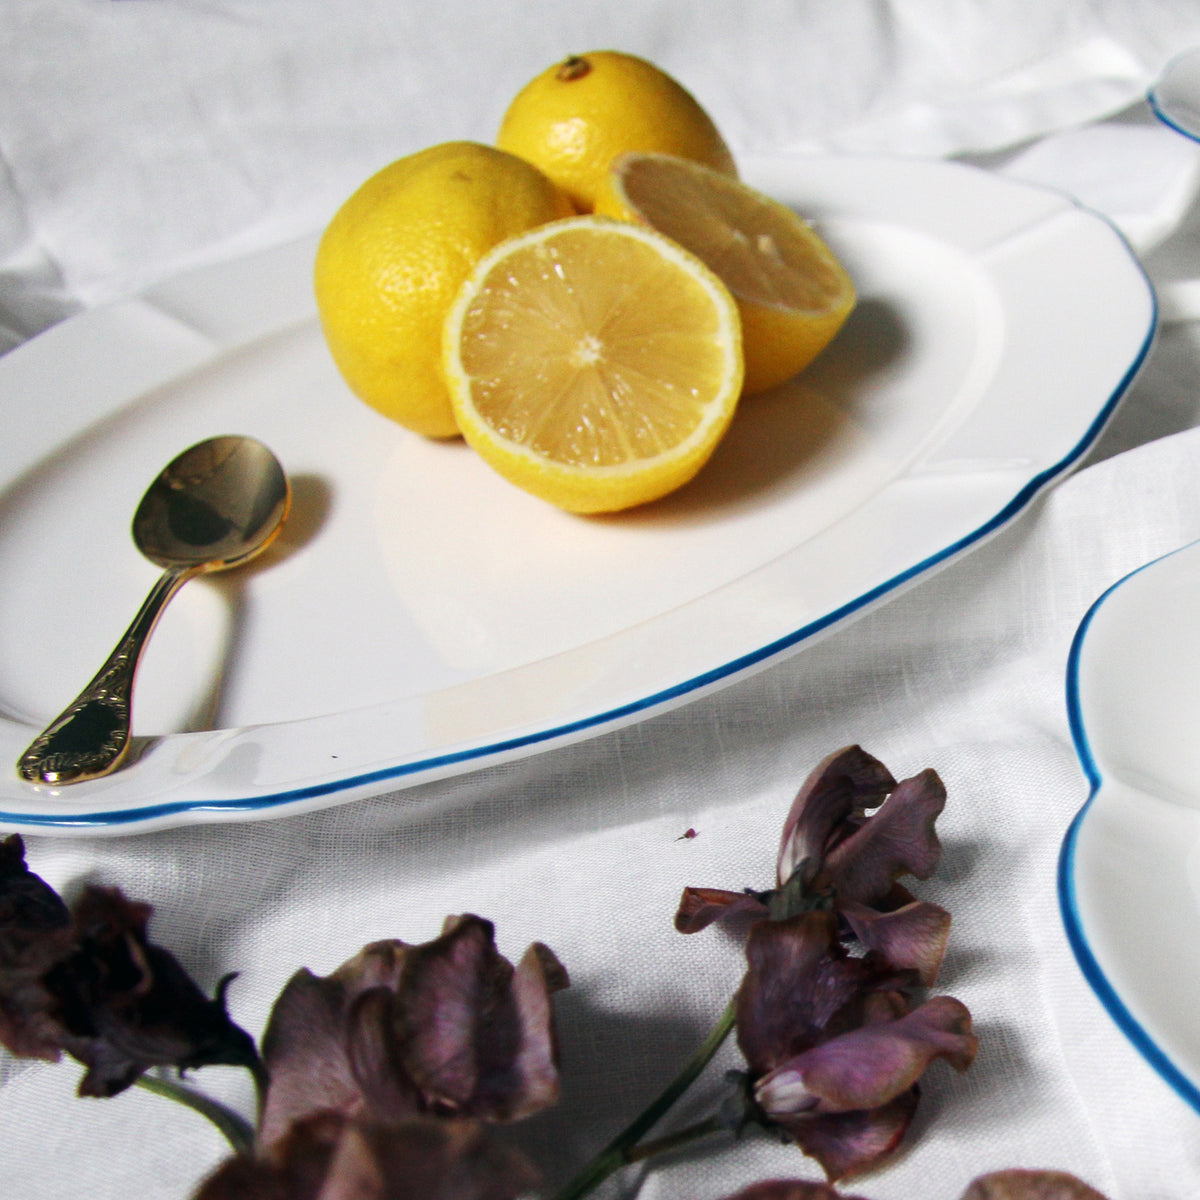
(138, 137)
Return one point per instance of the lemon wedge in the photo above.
(792, 292)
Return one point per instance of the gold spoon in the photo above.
(215, 506)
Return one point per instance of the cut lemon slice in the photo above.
(593, 362)
(791, 291)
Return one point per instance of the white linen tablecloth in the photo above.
(138, 137)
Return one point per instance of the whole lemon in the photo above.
(574, 118)
(391, 261)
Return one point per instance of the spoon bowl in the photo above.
(215, 506)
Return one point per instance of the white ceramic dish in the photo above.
(1129, 871)
(1175, 96)
(420, 617)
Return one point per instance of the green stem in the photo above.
(672, 1141)
(623, 1149)
(236, 1130)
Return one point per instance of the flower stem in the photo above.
(624, 1149)
(672, 1141)
(236, 1130)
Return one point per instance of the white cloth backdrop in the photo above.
(140, 136)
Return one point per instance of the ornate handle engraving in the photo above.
(91, 737)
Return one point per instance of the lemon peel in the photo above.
(393, 257)
(575, 117)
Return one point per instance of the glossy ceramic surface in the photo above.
(1129, 872)
(421, 617)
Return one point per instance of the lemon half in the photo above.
(594, 363)
(792, 292)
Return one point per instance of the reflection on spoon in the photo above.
(1175, 97)
(215, 506)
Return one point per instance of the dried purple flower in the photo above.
(833, 1046)
(448, 1028)
(837, 791)
(1001, 1185)
(833, 854)
(833, 1051)
(329, 1157)
(867, 1067)
(1030, 1185)
(125, 1004)
(90, 983)
(866, 856)
(35, 931)
(790, 1189)
(801, 986)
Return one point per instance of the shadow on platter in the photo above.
(779, 436)
(312, 502)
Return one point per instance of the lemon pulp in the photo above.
(593, 363)
(792, 292)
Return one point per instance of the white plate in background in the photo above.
(1129, 871)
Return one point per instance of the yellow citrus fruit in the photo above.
(594, 363)
(574, 118)
(792, 292)
(394, 256)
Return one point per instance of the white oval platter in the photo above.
(420, 617)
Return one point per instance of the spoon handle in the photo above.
(91, 736)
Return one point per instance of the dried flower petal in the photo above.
(849, 1143)
(376, 1060)
(798, 982)
(29, 907)
(480, 1036)
(897, 840)
(296, 1172)
(308, 1043)
(700, 907)
(35, 931)
(913, 936)
(535, 1065)
(841, 786)
(790, 1189)
(787, 992)
(1030, 1185)
(869, 1067)
(448, 1027)
(328, 1157)
(426, 1160)
(125, 1005)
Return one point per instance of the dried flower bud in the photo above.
(448, 1027)
(328, 1155)
(93, 985)
(1030, 1185)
